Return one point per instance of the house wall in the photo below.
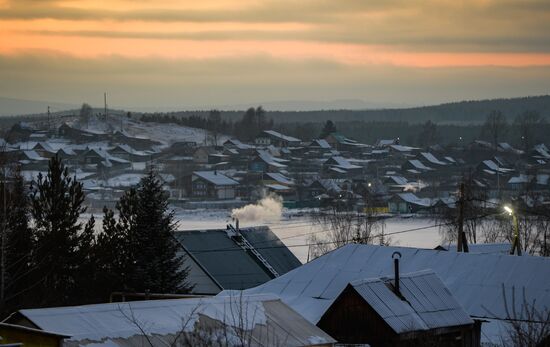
(225, 192)
(28, 338)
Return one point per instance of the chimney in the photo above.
(396, 256)
(237, 224)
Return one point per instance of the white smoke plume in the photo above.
(269, 208)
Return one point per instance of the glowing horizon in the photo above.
(371, 37)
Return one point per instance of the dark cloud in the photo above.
(192, 83)
(429, 25)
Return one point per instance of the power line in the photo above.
(345, 241)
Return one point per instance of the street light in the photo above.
(515, 243)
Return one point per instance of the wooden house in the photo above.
(414, 309)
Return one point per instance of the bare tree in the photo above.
(495, 127)
(528, 125)
(344, 227)
(529, 323)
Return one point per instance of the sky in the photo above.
(168, 54)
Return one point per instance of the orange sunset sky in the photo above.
(168, 54)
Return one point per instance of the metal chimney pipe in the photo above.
(237, 223)
(396, 256)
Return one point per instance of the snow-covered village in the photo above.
(192, 236)
(274, 173)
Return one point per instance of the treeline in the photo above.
(51, 257)
(456, 112)
(252, 122)
(523, 131)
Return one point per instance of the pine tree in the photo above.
(157, 259)
(328, 129)
(144, 236)
(56, 206)
(19, 244)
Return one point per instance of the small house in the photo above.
(408, 203)
(404, 310)
(212, 185)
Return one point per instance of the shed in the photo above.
(376, 312)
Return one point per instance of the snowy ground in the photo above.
(165, 133)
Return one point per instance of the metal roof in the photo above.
(216, 178)
(271, 248)
(477, 281)
(264, 317)
(427, 303)
(230, 265)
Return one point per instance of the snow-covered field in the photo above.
(165, 133)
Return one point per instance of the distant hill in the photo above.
(456, 112)
(17, 107)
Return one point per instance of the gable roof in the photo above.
(419, 165)
(113, 324)
(476, 281)
(230, 265)
(426, 304)
(280, 136)
(216, 178)
(279, 178)
(431, 158)
(413, 199)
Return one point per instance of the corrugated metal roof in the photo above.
(216, 178)
(271, 248)
(428, 303)
(231, 266)
(267, 320)
(399, 315)
(475, 280)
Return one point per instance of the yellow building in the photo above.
(14, 335)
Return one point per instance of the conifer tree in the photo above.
(56, 206)
(19, 244)
(145, 227)
(328, 129)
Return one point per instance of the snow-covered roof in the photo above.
(542, 150)
(401, 148)
(432, 159)
(215, 177)
(484, 248)
(543, 179)
(413, 199)
(271, 160)
(477, 281)
(521, 179)
(385, 143)
(494, 167)
(277, 187)
(279, 178)
(123, 324)
(322, 143)
(238, 144)
(419, 165)
(398, 179)
(280, 136)
(427, 303)
(450, 159)
(343, 163)
(32, 155)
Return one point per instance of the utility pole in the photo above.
(462, 242)
(516, 245)
(3, 249)
(49, 123)
(105, 103)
